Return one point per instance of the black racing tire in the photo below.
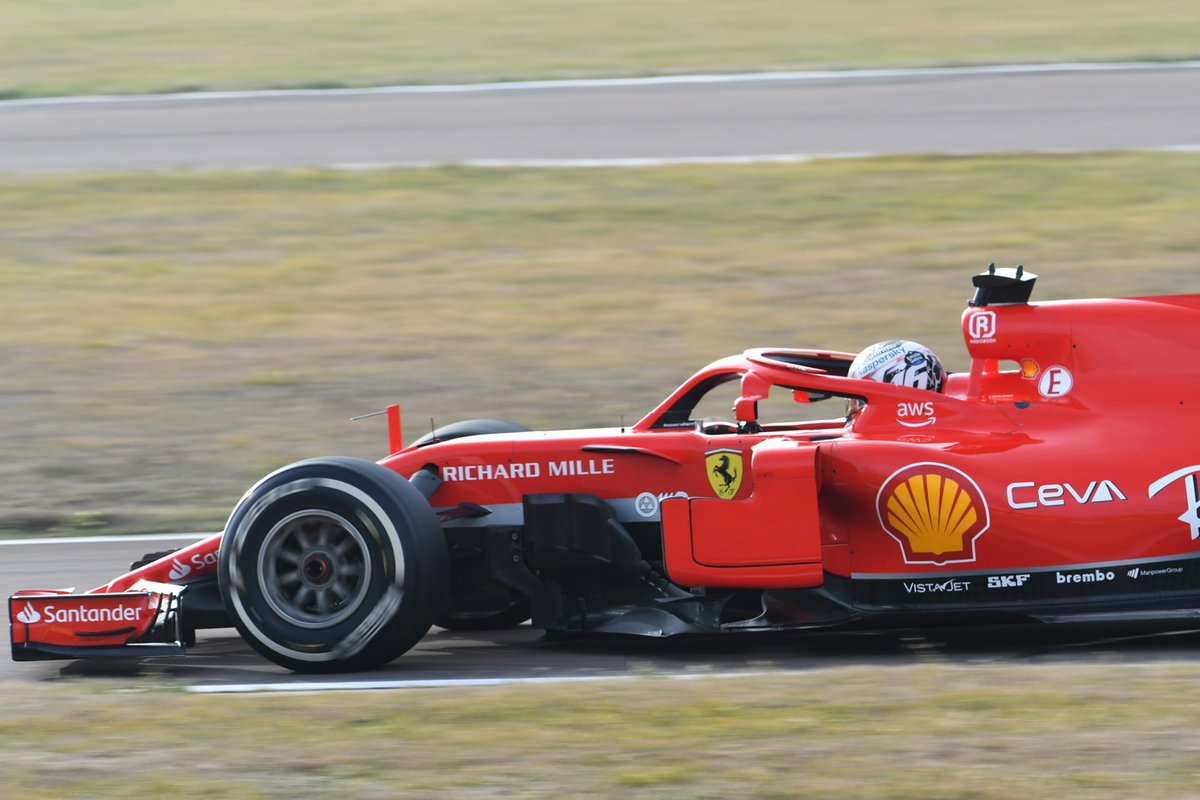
(333, 565)
(468, 427)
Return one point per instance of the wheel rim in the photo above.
(315, 569)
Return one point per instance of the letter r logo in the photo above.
(982, 325)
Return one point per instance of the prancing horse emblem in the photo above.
(724, 471)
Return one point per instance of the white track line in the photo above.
(596, 163)
(771, 158)
(133, 537)
(343, 686)
(607, 83)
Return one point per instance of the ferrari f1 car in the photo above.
(1055, 480)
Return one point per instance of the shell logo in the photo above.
(935, 512)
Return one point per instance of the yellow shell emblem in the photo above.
(934, 512)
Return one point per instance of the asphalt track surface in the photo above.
(812, 115)
(222, 661)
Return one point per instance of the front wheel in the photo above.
(332, 565)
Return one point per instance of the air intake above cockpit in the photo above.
(1003, 285)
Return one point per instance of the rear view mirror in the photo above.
(754, 388)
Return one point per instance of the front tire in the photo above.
(333, 565)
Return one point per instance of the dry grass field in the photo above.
(982, 732)
(101, 46)
(167, 339)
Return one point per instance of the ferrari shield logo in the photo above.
(724, 471)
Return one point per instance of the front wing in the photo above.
(139, 623)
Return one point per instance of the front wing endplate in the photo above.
(143, 622)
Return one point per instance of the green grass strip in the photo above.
(170, 338)
(106, 46)
(920, 730)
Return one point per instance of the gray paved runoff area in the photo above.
(910, 113)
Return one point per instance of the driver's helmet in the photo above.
(902, 363)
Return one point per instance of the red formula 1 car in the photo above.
(1054, 481)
